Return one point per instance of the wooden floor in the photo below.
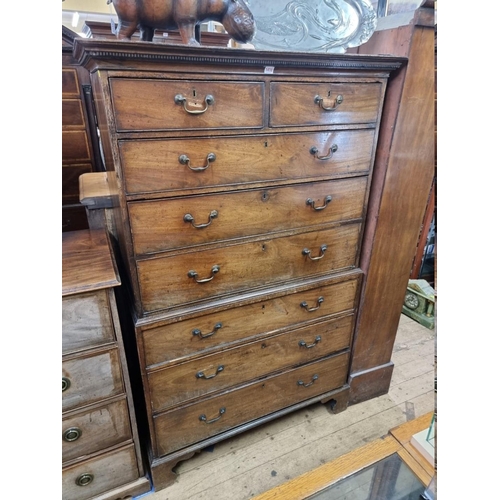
(258, 460)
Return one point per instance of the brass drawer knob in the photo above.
(84, 479)
(336, 103)
(201, 374)
(184, 160)
(307, 252)
(310, 202)
(66, 383)
(197, 332)
(194, 275)
(189, 218)
(302, 343)
(314, 151)
(180, 99)
(314, 378)
(203, 418)
(312, 309)
(72, 434)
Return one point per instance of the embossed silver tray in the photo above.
(312, 25)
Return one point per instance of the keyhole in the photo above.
(265, 144)
(194, 93)
(329, 93)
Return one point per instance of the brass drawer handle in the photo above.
(189, 218)
(66, 383)
(72, 434)
(198, 333)
(202, 375)
(336, 103)
(184, 160)
(203, 418)
(302, 343)
(307, 252)
(84, 479)
(312, 309)
(180, 99)
(194, 274)
(310, 202)
(315, 377)
(314, 151)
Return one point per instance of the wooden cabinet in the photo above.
(241, 182)
(100, 445)
(79, 149)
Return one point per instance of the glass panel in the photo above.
(388, 479)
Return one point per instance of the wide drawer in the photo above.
(178, 428)
(217, 330)
(86, 321)
(175, 223)
(176, 384)
(90, 378)
(169, 165)
(324, 103)
(142, 104)
(100, 474)
(98, 428)
(172, 280)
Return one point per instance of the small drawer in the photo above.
(214, 331)
(90, 378)
(324, 103)
(176, 164)
(195, 378)
(181, 427)
(185, 105)
(75, 146)
(96, 429)
(169, 281)
(182, 222)
(72, 113)
(86, 321)
(98, 475)
(70, 86)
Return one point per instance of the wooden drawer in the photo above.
(75, 146)
(90, 431)
(70, 86)
(178, 428)
(86, 321)
(151, 104)
(182, 222)
(194, 336)
(156, 165)
(169, 281)
(195, 378)
(90, 378)
(296, 103)
(72, 113)
(101, 474)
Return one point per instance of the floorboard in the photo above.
(263, 458)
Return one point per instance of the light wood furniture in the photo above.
(100, 445)
(242, 181)
(397, 441)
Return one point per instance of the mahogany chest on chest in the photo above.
(241, 181)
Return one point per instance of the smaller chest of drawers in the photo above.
(101, 455)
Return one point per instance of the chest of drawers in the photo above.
(241, 182)
(100, 446)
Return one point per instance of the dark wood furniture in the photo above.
(80, 150)
(405, 170)
(100, 445)
(242, 182)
